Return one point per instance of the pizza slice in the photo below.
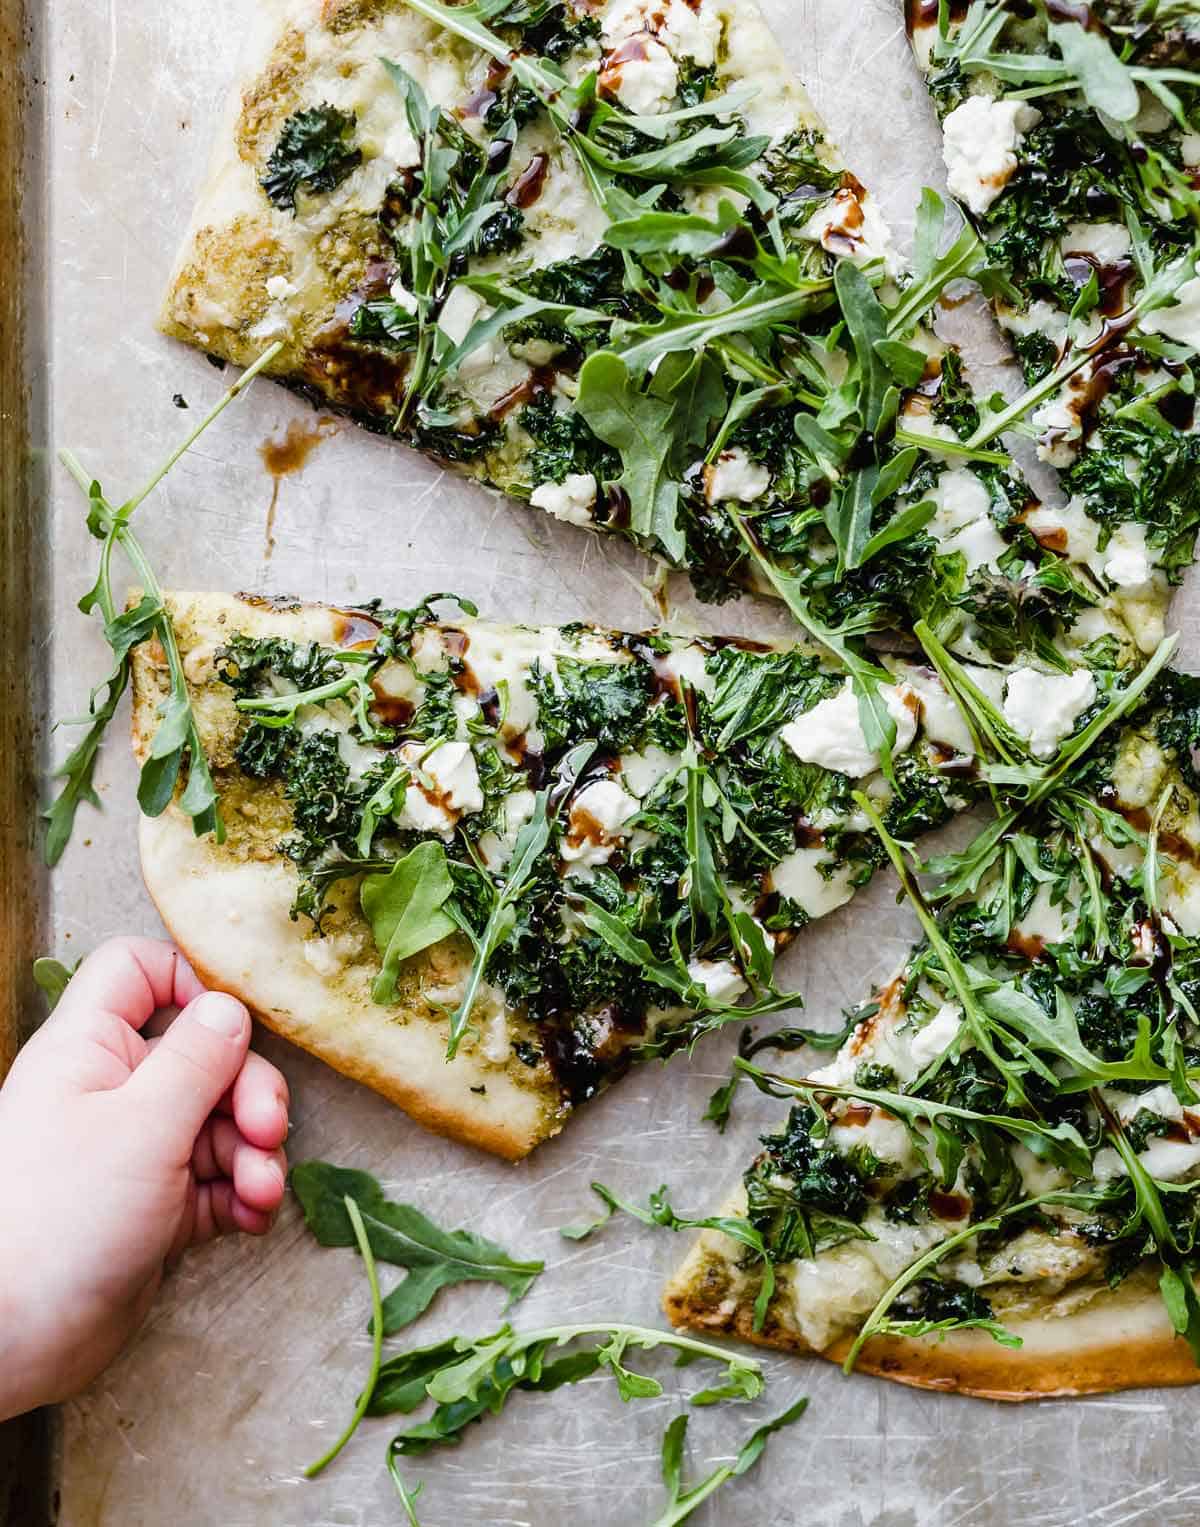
(606, 261)
(1072, 140)
(483, 868)
(995, 1185)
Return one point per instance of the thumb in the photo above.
(192, 1066)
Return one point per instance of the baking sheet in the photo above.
(252, 1358)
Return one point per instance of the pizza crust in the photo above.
(232, 922)
(229, 910)
(1120, 1339)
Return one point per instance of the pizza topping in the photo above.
(572, 500)
(315, 152)
(597, 823)
(980, 142)
(831, 734)
(1044, 707)
(734, 476)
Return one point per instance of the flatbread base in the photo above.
(1121, 1339)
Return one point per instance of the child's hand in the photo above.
(117, 1152)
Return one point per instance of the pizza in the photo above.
(1071, 141)
(606, 260)
(482, 868)
(994, 1185)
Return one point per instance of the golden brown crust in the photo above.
(1117, 1340)
(228, 908)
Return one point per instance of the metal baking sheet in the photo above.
(251, 1359)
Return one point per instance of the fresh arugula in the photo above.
(681, 1500)
(52, 978)
(175, 744)
(401, 1235)
(531, 844)
(406, 909)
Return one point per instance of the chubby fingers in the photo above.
(258, 1103)
(258, 1176)
(130, 978)
(214, 1209)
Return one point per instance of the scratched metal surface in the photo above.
(253, 1356)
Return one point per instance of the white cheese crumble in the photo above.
(963, 522)
(1181, 322)
(1107, 243)
(454, 790)
(980, 139)
(642, 771)
(938, 1035)
(831, 734)
(515, 810)
(459, 313)
(799, 877)
(1044, 707)
(734, 476)
(571, 500)
(940, 716)
(851, 225)
(597, 823)
(403, 298)
(329, 955)
(1127, 558)
(690, 31)
(721, 979)
(644, 80)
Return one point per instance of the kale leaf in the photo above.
(315, 152)
(606, 702)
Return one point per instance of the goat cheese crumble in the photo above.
(571, 500)
(831, 734)
(980, 139)
(1044, 707)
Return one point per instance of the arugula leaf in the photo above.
(354, 1215)
(405, 909)
(532, 841)
(402, 1235)
(52, 978)
(177, 737)
(489, 1368)
(1102, 77)
(682, 1502)
(638, 425)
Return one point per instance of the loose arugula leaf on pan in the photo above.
(681, 1501)
(52, 978)
(479, 1376)
(402, 1235)
(659, 1212)
(176, 741)
(354, 1215)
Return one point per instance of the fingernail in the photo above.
(223, 1015)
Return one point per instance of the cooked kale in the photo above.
(756, 692)
(563, 443)
(244, 661)
(314, 152)
(606, 702)
(822, 1200)
(1037, 353)
(262, 750)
